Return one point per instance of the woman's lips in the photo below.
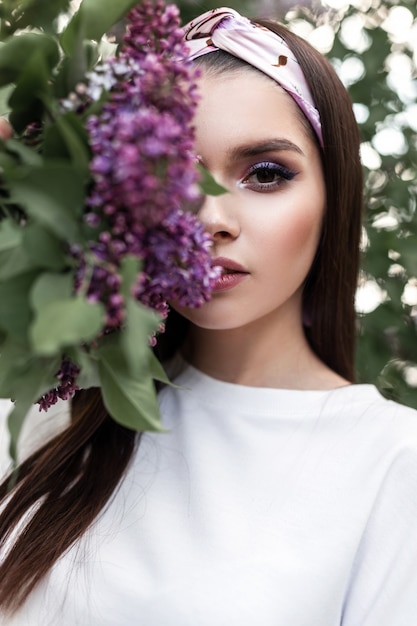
(232, 274)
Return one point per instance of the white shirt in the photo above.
(259, 506)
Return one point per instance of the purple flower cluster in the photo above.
(179, 266)
(143, 177)
(66, 387)
(143, 169)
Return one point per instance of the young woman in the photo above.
(282, 493)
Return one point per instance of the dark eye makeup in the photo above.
(266, 176)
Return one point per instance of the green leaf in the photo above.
(73, 69)
(208, 185)
(42, 248)
(15, 421)
(7, 163)
(32, 93)
(64, 323)
(19, 51)
(140, 323)
(15, 312)
(130, 269)
(10, 235)
(52, 194)
(17, 364)
(49, 288)
(93, 19)
(68, 139)
(32, 383)
(14, 262)
(88, 376)
(15, 357)
(130, 401)
(157, 371)
(5, 93)
(28, 156)
(39, 13)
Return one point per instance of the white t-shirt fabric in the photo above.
(257, 506)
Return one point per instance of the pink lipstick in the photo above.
(232, 274)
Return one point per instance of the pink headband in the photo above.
(225, 29)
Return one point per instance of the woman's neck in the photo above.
(260, 355)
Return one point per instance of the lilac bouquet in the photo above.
(96, 231)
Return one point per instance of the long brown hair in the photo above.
(329, 292)
(68, 482)
(61, 488)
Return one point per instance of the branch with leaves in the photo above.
(94, 240)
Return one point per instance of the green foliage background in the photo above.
(387, 346)
(387, 343)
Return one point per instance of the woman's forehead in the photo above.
(245, 103)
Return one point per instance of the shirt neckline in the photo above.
(209, 390)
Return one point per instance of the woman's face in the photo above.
(266, 229)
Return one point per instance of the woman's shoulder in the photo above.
(379, 425)
(372, 401)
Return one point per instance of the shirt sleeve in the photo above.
(383, 587)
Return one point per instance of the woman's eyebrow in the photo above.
(252, 149)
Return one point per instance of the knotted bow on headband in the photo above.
(225, 29)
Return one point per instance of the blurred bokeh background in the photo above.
(373, 46)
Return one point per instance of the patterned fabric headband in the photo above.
(225, 29)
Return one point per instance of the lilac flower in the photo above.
(143, 168)
(176, 263)
(143, 177)
(66, 385)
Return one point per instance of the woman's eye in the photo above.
(266, 177)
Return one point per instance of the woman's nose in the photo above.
(219, 217)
